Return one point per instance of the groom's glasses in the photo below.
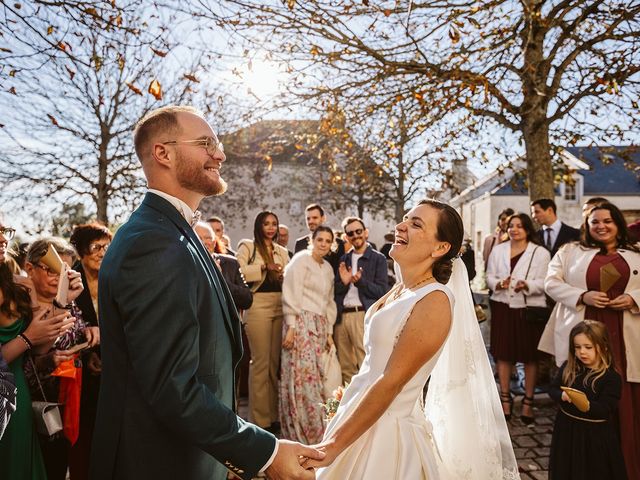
(210, 144)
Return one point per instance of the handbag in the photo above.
(532, 313)
(331, 372)
(45, 414)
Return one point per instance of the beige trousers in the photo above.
(263, 325)
(348, 336)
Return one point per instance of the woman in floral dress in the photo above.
(309, 313)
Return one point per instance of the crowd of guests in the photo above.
(573, 294)
(554, 290)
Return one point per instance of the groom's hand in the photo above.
(286, 465)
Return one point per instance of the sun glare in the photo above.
(261, 77)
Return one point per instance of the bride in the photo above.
(382, 430)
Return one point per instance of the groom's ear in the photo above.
(441, 249)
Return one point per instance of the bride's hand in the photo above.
(330, 342)
(329, 449)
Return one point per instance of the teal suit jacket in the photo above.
(170, 343)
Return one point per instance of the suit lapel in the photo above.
(212, 271)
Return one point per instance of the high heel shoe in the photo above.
(506, 399)
(526, 419)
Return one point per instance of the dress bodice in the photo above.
(383, 326)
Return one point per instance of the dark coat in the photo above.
(565, 235)
(372, 285)
(240, 291)
(7, 394)
(170, 344)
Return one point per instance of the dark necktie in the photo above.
(547, 238)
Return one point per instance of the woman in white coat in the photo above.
(515, 274)
(599, 279)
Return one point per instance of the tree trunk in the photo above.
(102, 197)
(539, 167)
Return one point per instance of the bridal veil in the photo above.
(462, 401)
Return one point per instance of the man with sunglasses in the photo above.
(314, 217)
(361, 280)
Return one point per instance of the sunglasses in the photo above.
(357, 231)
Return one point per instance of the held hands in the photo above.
(288, 464)
(565, 397)
(94, 364)
(330, 342)
(328, 447)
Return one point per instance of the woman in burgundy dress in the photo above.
(515, 273)
(599, 279)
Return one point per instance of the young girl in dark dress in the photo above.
(586, 445)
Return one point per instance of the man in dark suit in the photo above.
(170, 332)
(553, 233)
(361, 280)
(314, 216)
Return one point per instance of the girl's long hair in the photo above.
(596, 332)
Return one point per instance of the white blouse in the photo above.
(308, 286)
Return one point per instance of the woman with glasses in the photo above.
(55, 449)
(262, 262)
(91, 242)
(309, 313)
(24, 327)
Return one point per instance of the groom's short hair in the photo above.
(164, 119)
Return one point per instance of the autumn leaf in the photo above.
(291, 4)
(50, 30)
(314, 50)
(386, 12)
(62, 46)
(12, 90)
(12, 73)
(70, 72)
(269, 160)
(92, 11)
(97, 60)
(134, 89)
(454, 34)
(155, 89)
(191, 77)
(53, 119)
(160, 53)
(121, 62)
(6, 50)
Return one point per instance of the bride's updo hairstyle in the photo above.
(450, 229)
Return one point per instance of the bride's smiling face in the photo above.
(415, 237)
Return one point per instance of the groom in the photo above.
(170, 331)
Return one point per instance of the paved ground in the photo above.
(531, 443)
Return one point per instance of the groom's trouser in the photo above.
(263, 325)
(349, 339)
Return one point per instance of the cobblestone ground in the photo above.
(531, 443)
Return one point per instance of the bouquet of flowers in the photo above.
(331, 407)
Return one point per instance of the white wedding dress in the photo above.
(459, 437)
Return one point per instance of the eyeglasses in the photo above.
(357, 231)
(210, 144)
(45, 269)
(8, 232)
(97, 247)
